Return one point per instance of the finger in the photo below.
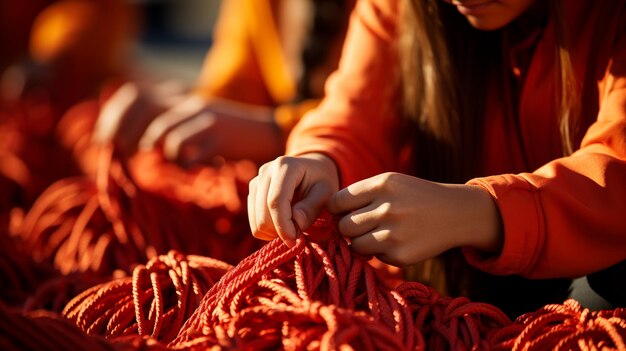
(169, 92)
(371, 243)
(285, 180)
(306, 211)
(190, 141)
(162, 124)
(353, 197)
(251, 212)
(359, 222)
(262, 214)
(113, 111)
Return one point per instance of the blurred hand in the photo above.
(127, 113)
(196, 131)
(404, 220)
(189, 129)
(288, 195)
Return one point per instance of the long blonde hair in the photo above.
(445, 102)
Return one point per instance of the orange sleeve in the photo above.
(287, 116)
(246, 62)
(356, 120)
(568, 218)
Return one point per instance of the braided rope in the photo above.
(565, 326)
(319, 295)
(112, 223)
(67, 227)
(155, 301)
(451, 323)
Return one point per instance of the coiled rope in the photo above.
(566, 326)
(117, 220)
(318, 295)
(155, 301)
(451, 323)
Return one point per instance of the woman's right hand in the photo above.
(125, 116)
(189, 129)
(288, 194)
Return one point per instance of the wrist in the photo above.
(487, 229)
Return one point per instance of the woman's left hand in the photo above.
(404, 220)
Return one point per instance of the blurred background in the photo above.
(175, 36)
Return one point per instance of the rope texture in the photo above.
(318, 295)
(155, 301)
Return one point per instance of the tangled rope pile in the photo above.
(155, 301)
(318, 295)
(451, 323)
(208, 204)
(566, 326)
(125, 217)
(68, 227)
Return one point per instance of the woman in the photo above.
(513, 115)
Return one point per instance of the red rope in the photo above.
(565, 326)
(81, 225)
(45, 331)
(319, 295)
(451, 323)
(155, 301)
(54, 293)
(67, 227)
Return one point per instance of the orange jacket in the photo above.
(562, 216)
(249, 60)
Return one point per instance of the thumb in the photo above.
(306, 211)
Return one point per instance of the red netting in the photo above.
(155, 301)
(566, 326)
(318, 295)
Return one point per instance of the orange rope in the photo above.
(67, 227)
(319, 295)
(155, 301)
(565, 326)
(111, 223)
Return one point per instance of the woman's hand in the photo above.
(289, 194)
(127, 113)
(196, 131)
(403, 219)
(189, 129)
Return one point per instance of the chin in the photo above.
(486, 24)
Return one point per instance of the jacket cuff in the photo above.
(520, 207)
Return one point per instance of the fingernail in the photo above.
(290, 243)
